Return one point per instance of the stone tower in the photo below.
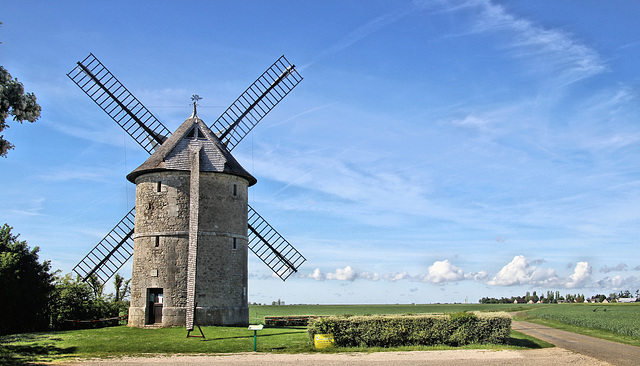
(190, 242)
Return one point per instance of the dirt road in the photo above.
(546, 357)
(611, 352)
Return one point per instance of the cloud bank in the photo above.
(521, 271)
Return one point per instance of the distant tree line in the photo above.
(34, 298)
(555, 297)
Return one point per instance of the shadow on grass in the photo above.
(30, 349)
(524, 343)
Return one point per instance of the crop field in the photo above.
(258, 312)
(623, 319)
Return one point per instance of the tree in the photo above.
(624, 295)
(123, 290)
(71, 300)
(26, 286)
(14, 101)
(122, 287)
(96, 286)
(74, 299)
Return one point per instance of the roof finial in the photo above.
(195, 98)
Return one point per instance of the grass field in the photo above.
(616, 322)
(124, 341)
(120, 341)
(258, 312)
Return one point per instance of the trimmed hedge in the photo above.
(413, 330)
(288, 321)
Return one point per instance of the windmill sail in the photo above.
(258, 100)
(114, 98)
(111, 253)
(274, 250)
(115, 249)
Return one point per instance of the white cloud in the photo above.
(520, 271)
(317, 275)
(393, 277)
(581, 274)
(552, 49)
(361, 32)
(441, 272)
(479, 276)
(618, 283)
(371, 276)
(472, 121)
(346, 274)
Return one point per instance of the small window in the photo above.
(159, 187)
(235, 190)
(157, 241)
(234, 244)
(195, 134)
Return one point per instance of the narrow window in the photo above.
(235, 244)
(157, 241)
(159, 187)
(235, 190)
(191, 134)
(195, 134)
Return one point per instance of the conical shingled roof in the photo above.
(173, 154)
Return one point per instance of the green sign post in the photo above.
(255, 329)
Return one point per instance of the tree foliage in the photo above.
(123, 290)
(33, 299)
(15, 102)
(25, 284)
(74, 299)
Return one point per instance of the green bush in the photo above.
(414, 330)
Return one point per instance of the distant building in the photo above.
(627, 299)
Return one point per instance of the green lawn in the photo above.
(119, 341)
(122, 340)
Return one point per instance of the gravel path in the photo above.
(614, 353)
(546, 357)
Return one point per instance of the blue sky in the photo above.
(436, 151)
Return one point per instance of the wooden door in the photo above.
(155, 306)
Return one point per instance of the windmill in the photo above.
(191, 228)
